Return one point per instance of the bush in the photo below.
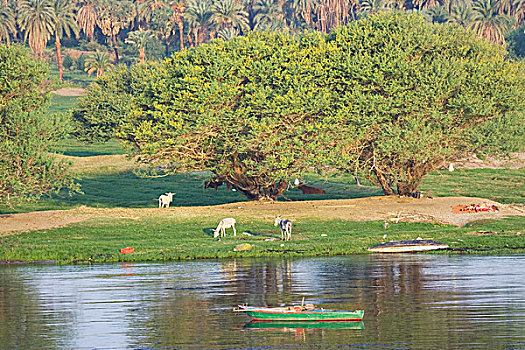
(67, 62)
(27, 170)
(80, 63)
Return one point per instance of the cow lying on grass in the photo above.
(310, 190)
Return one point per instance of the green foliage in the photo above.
(98, 62)
(26, 169)
(68, 62)
(80, 62)
(421, 94)
(500, 185)
(516, 43)
(249, 110)
(101, 111)
(389, 94)
(163, 239)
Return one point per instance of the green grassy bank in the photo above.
(126, 189)
(107, 184)
(180, 239)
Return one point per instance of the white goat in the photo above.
(286, 228)
(223, 225)
(165, 200)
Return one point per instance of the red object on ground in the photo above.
(473, 208)
(127, 250)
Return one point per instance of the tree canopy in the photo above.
(422, 94)
(390, 94)
(26, 169)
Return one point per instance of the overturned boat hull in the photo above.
(415, 245)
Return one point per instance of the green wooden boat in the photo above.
(298, 313)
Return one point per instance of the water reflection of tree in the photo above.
(24, 322)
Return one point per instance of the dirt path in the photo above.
(70, 91)
(389, 208)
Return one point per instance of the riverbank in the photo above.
(321, 228)
(382, 208)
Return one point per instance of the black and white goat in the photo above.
(286, 228)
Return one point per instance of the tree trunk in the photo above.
(255, 189)
(59, 59)
(142, 55)
(115, 47)
(181, 34)
(384, 183)
(167, 48)
(409, 187)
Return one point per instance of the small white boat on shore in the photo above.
(413, 245)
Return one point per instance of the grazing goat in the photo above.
(165, 200)
(286, 228)
(310, 190)
(215, 184)
(223, 225)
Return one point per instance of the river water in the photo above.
(410, 302)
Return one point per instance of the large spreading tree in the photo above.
(390, 94)
(27, 170)
(422, 94)
(248, 110)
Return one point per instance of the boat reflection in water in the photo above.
(303, 325)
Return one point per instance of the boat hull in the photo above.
(304, 325)
(407, 246)
(304, 316)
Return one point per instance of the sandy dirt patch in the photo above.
(387, 208)
(100, 164)
(70, 91)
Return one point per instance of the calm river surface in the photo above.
(410, 302)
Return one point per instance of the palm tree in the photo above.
(338, 12)
(488, 23)
(229, 14)
(139, 39)
(36, 18)
(178, 17)
(519, 11)
(7, 22)
(198, 14)
(65, 23)
(113, 16)
(504, 6)
(87, 17)
(437, 14)
(99, 62)
(147, 8)
(304, 8)
(227, 33)
(163, 27)
(269, 14)
(461, 13)
(372, 6)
